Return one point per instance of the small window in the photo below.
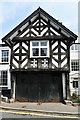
(39, 49)
(75, 65)
(3, 77)
(5, 56)
(74, 47)
(75, 84)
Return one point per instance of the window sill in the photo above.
(3, 86)
(4, 63)
(34, 57)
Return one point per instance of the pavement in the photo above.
(42, 108)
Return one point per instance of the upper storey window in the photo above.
(75, 65)
(5, 56)
(74, 47)
(3, 77)
(39, 49)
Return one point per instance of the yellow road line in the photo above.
(38, 114)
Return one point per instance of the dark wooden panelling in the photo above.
(38, 86)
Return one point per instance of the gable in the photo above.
(35, 28)
(37, 25)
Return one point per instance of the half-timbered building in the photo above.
(40, 58)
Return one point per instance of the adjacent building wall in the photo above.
(74, 74)
(5, 66)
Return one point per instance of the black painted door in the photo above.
(37, 86)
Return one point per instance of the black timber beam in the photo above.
(22, 39)
(30, 69)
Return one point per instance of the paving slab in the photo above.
(46, 107)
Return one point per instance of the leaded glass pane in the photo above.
(35, 51)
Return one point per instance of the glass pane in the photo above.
(73, 84)
(35, 51)
(71, 63)
(76, 84)
(35, 43)
(72, 47)
(5, 55)
(76, 47)
(43, 43)
(43, 51)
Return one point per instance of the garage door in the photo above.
(35, 86)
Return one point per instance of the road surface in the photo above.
(14, 116)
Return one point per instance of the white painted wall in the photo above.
(74, 55)
(6, 67)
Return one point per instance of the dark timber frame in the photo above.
(40, 26)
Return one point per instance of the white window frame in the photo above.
(2, 56)
(39, 47)
(1, 85)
